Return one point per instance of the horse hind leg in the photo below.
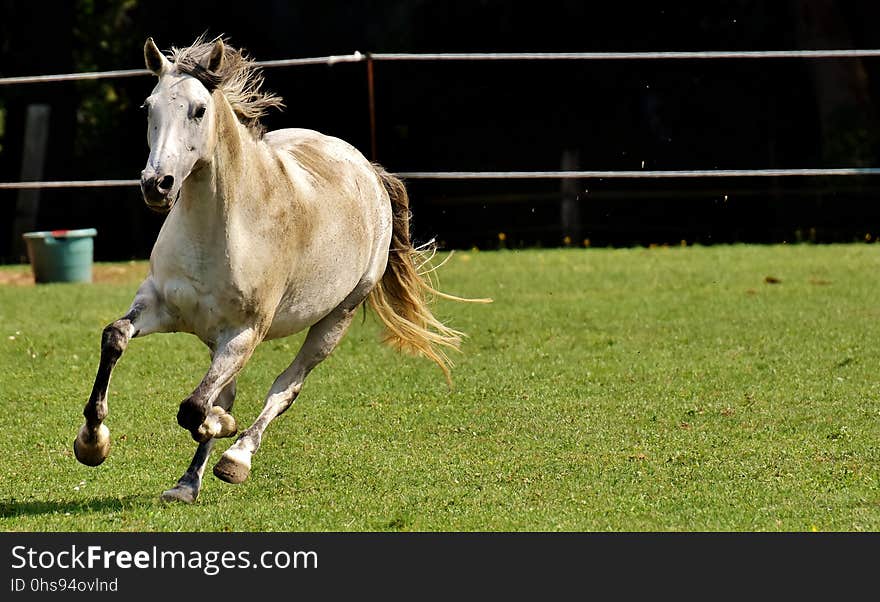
(235, 464)
(188, 486)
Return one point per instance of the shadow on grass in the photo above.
(12, 508)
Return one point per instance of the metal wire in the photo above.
(603, 56)
(65, 77)
(520, 175)
(611, 175)
(68, 184)
(357, 57)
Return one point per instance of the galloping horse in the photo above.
(266, 234)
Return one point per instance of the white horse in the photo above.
(266, 235)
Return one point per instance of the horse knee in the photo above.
(114, 339)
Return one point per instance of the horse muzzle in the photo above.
(158, 191)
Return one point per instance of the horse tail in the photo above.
(401, 298)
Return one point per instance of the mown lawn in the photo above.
(729, 388)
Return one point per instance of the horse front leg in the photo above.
(92, 444)
(197, 413)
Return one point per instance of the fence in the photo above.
(568, 211)
(369, 59)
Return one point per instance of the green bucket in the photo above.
(61, 255)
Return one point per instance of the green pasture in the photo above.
(728, 388)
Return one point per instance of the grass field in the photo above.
(729, 388)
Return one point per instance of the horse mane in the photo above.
(239, 79)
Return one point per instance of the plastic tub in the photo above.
(61, 255)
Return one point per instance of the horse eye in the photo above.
(199, 112)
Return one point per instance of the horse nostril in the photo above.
(166, 183)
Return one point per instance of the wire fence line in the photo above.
(357, 57)
(636, 174)
(519, 175)
(66, 77)
(68, 184)
(606, 56)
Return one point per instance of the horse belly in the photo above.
(292, 318)
(287, 323)
(309, 302)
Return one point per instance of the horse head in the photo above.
(180, 124)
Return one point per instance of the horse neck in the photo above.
(216, 188)
(234, 150)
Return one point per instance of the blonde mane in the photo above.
(239, 79)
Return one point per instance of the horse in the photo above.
(266, 233)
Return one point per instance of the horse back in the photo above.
(326, 160)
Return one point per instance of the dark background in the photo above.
(605, 115)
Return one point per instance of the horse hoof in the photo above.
(187, 495)
(92, 448)
(190, 415)
(234, 466)
(228, 426)
(218, 424)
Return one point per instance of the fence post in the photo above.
(371, 92)
(33, 158)
(569, 209)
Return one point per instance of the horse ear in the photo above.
(155, 60)
(215, 60)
